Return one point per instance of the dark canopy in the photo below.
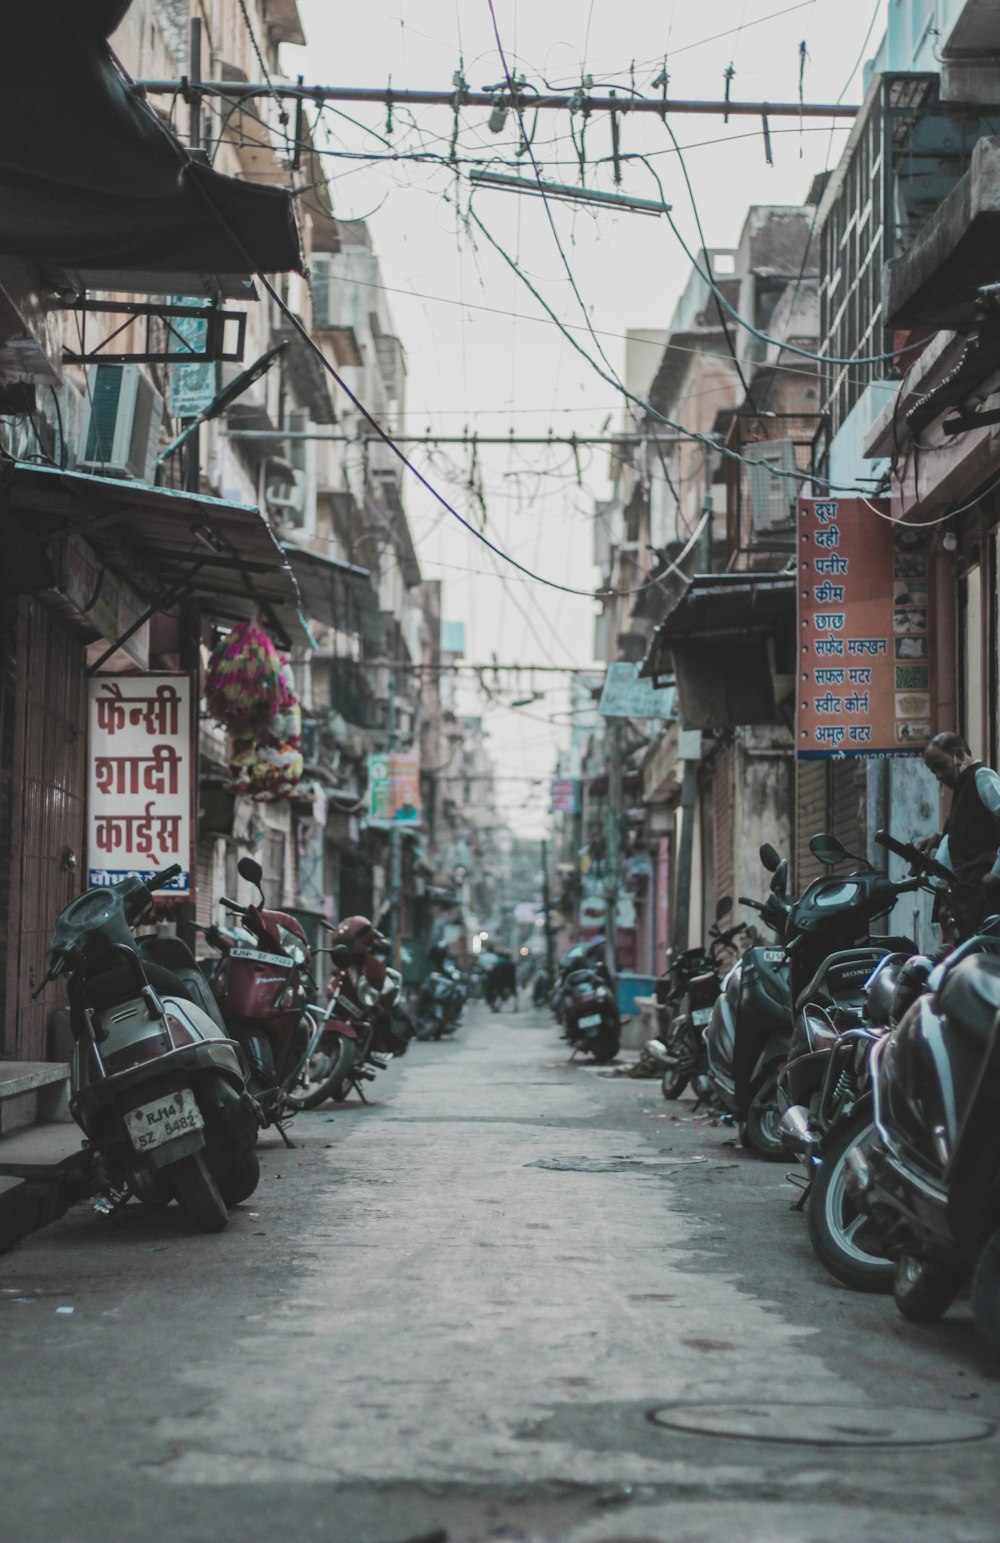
(91, 182)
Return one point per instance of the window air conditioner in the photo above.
(121, 427)
(771, 491)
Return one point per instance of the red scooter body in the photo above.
(261, 989)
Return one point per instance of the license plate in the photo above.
(164, 1119)
(774, 955)
(274, 960)
(701, 1016)
(590, 1022)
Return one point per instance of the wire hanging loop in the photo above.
(461, 85)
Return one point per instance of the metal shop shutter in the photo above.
(44, 864)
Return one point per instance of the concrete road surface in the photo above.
(516, 1298)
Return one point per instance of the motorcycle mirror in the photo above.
(828, 850)
(779, 878)
(341, 956)
(724, 907)
(249, 868)
(769, 857)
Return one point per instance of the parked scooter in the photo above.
(356, 1036)
(591, 1022)
(441, 998)
(261, 986)
(692, 987)
(930, 1177)
(746, 1040)
(159, 1091)
(825, 1086)
(584, 955)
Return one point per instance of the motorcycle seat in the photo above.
(970, 996)
(172, 970)
(841, 976)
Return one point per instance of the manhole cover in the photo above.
(823, 1425)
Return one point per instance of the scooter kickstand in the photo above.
(359, 1090)
(286, 1138)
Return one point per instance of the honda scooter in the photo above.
(158, 1089)
(930, 1180)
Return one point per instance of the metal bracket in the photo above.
(185, 349)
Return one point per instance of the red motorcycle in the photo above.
(356, 1037)
(261, 985)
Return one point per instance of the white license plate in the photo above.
(701, 1016)
(590, 1022)
(774, 955)
(153, 1124)
(275, 960)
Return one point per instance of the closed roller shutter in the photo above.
(829, 799)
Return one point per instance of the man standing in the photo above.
(970, 842)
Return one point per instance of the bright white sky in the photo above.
(480, 352)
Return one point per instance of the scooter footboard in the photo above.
(768, 1061)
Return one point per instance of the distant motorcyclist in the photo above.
(500, 980)
(970, 843)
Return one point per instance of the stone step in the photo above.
(32, 1092)
(43, 1169)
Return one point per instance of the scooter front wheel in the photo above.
(199, 1194)
(239, 1182)
(843, 1239)
(761, 1129)
(324, 1075)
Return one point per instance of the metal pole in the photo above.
(550, 958)
(382, 96)
(395, 846)
(685, 858)
(470, 440)
(192, 436)
(612, 843)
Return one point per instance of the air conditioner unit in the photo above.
(771, 490)
(288, 499)
(121, 428)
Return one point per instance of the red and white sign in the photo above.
(865, 631)
(140, 778)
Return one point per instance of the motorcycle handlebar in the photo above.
(232, 905)
(157, 880)
(755, 905)
(914, 856)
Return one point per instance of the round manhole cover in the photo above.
(824, 1425)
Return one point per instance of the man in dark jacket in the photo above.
(970, 843)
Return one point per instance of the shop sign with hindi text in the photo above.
(140, 778)
(865, 631)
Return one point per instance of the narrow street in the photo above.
(457, 1313)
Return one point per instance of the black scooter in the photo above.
(746, 1040)
(159, 1089)
(685, 997)
(930, 1179)
(825, 1086)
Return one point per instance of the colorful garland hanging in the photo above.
(247, 682)
(250, 690)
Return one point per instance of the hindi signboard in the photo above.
(625, 695)
(140, 778)
(565, 795)
(865, 629)
(394, 788)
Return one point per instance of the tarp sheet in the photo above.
(90, 179)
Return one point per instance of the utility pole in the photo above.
(613, 842)
(192, 476)
(550, 961)
(395, 843)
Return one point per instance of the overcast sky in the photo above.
(480, 352)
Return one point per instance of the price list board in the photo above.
(865, 632)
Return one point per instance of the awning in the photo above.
(728, 640)
(94, 187)
(337, 594)
(168, 545)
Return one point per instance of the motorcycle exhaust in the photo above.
(379, 1058)
(795, 1127)
(656, 1050)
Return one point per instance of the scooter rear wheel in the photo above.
(924, 1289)
(239, 1182)
(760, 1130)
(199, 1194)
(605, 1048)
